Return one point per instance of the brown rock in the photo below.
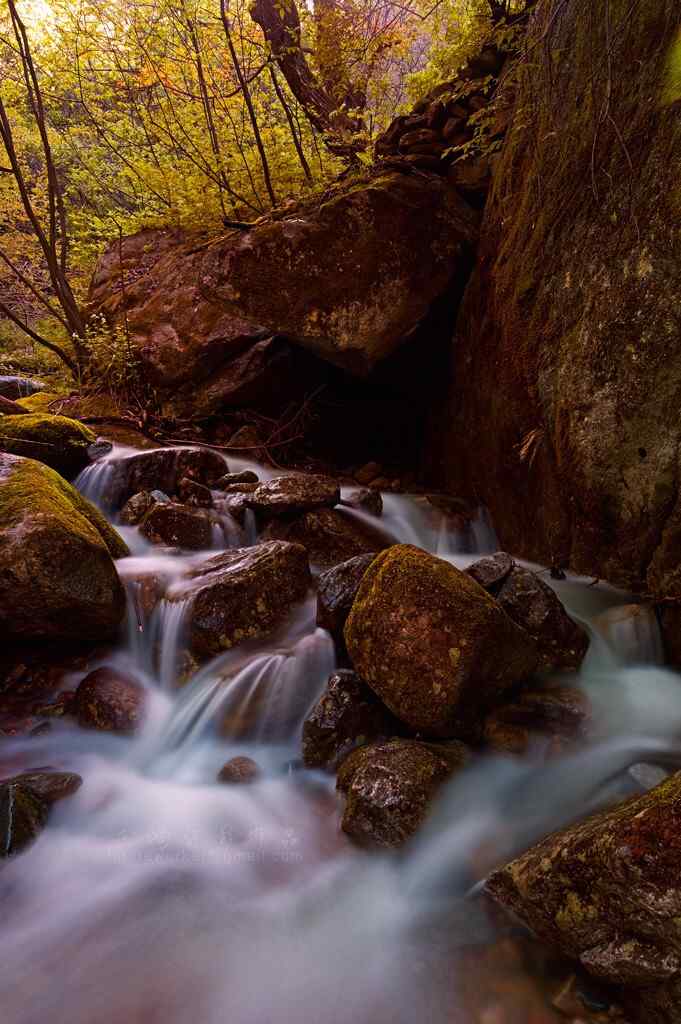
(347, 715)
(159, 469)
(329, 536)
(366, 501)
(368, 473)
(178, 526)
(293, 494)
(110, 701)
(389, 787)
(336, 592)
(191, 492)
(242, 594)
(49, 786)
(239, 771)
(23, 816)
(136, 508)
(230, 479)
(532, 604)
(491, 572)
(436, 648)
(605, 891)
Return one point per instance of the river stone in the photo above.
(159, 469)
(347, 715)
(433, 644)
(18, 387)
(388, 788)
(49, 786)
(365, 500)
(491, 572)
(136, 508)
(110, 701)
(294, 494)
(191, 492)
(330, 536)
(245, 477)
(242, 594)
(606, 891)
(57, 441)
(57, 577)
(336, 592)
(23, 816)
(534, 606)
(178, 526)
(239, 771)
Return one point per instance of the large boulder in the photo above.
(607, 892)
(435, 646)
(348, 274)
(113, 482)
(55, 440)
(388, 788)
(336, 592)
(242, 594)
(57, 576)
(567, 360)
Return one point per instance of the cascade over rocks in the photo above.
(57, 576)
(388, 788)
(159, 469)
(18, 387)
(242, 594)
(436, 648)
(567, 360)
(606, 891)
(57, 441)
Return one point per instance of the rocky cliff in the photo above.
(566, 380)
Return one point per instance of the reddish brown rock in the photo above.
(239, 771)
(49, 786)
(159, 469)
(294, 494)
(242, 594)
(432, 643)
(329, 536)
(191, 492)
(178, 526)
(347, 715)
(110, 701)
(491, 572)
(388, 788)
(606, 891)
(365, 500)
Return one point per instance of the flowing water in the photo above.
(156, 895)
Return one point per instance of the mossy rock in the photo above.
(57, 577)
(41, 401)
(434, 646)
(55, 440)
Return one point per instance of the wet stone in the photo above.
(23, 815)
(347, 715)
(110, 701)
(245, 477)
(365, 500)
(178, 526)
(336, 592)
(491, 572)
(293, 495)
(239, 771)
(191, 492)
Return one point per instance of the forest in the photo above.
(340, 511)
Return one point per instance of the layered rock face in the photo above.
(566, 378)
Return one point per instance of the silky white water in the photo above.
(156, 895)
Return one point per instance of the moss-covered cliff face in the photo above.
(567, 369)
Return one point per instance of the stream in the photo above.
(156, 895)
